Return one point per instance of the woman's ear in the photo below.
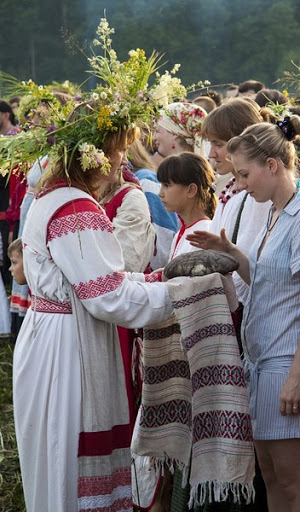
(272, 164)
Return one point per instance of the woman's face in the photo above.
(117, 161)
(164, 141)
(253, 177)
(218, 152)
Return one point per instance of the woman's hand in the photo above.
(290, 396)
(206, 240)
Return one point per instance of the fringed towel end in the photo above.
(214, 491)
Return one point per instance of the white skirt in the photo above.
(47, 395)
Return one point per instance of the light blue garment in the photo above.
(166, 224)
(271, 321)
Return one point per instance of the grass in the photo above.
(11, 492)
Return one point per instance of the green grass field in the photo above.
(11, 493)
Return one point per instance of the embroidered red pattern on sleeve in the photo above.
(75, 216)
(99, 286)
(153, 278)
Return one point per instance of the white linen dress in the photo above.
(72, 260)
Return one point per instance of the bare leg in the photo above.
(280, 466)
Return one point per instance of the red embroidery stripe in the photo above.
(16, 300)
(218, 375)
(92, 444)
(100, 286)
(153, 278)
(173, 411)
(100, 485)
(78, 222)
(222, 424)
(42, 305)
(173, 369)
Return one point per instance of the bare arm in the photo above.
(206, 240)
(290, 393)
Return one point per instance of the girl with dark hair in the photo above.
(187, 188)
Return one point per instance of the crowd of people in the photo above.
(114, 364)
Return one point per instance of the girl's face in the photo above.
(164, 141)
(174, 196)
(218, 152)
(253, 177)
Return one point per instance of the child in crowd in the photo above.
(15, 254)
(187, 188)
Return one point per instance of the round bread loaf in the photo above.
(200, 263)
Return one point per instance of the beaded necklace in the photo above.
(228, 191)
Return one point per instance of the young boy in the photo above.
(15, 254)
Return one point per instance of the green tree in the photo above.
(218, 40)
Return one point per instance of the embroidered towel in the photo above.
(195, 400)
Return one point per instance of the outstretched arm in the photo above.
(206, 240)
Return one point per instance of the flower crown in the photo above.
(32, 95)
(122, 99)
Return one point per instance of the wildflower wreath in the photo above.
(121, 99)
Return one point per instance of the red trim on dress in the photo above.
(19, 302)
(42, 305)
(97, 444)
(99, 485)
(49, 188)
(77, 215)
(154, 277)
(182, 231)
(112, 206)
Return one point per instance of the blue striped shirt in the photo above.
(271, 324)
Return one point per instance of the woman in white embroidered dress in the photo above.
(71, 409)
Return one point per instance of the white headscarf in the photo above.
(185, 120)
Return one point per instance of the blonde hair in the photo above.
(265, 140)
(139, 157)
(16, 246)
